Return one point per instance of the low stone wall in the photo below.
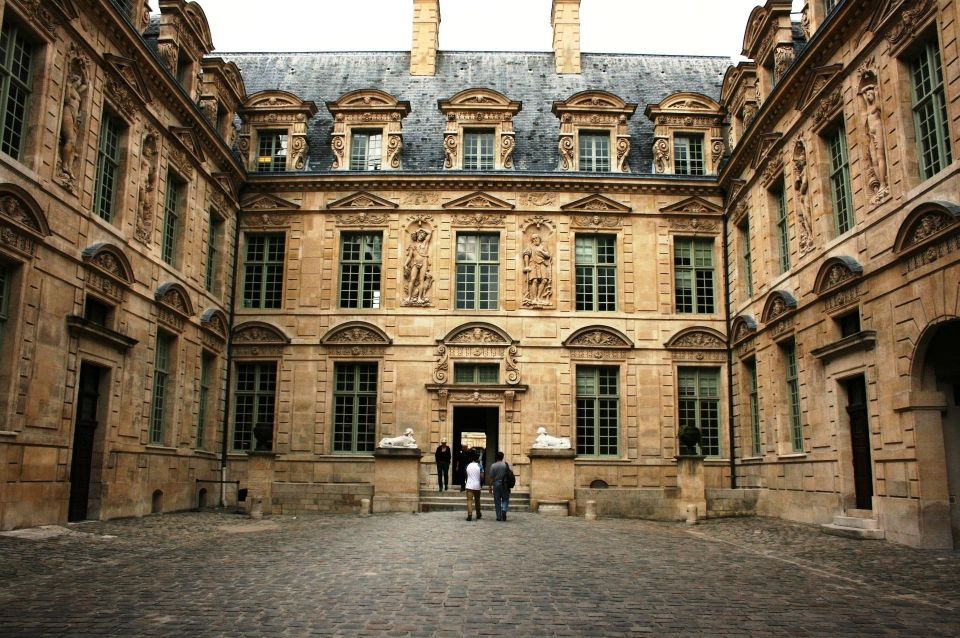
(659, 504)
(727, 502)
(329, 498)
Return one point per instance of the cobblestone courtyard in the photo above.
(436, 574)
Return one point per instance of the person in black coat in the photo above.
(442, 456)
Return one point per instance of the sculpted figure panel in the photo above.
(538, 273)
(72, 122)
(547, 441)
(405, 440)
(875, 150)
(417, 277)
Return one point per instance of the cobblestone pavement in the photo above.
(210, 573)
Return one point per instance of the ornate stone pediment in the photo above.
(356, 333)
(596, 204)
(692, 205)
(175, 297)
(477, 333)
(478, 201)
(190, 141)
(22, 223)
(213, 329)
(479, 107)
(593, 111)
(697, 338)
(598, 343)
(927, 221)
(259, 333)
(127, 70)
(835, 273)
(817, 82)
(764, 149)
(778, 303)
(901, 18)
(362, 200)
(743, 327)
(228, 184)
(109, 260)
(473, 341)
(266, 201)
(366, 109)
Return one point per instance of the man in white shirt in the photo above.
(474, 484)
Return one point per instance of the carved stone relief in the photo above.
(802, 203)
(538, 200)
(73, 123)
(875, 151)
(537, 270)
(146, 197)
(417, 270)
(783, 57)
(661, 155)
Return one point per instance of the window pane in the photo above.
(108, 167)
(596, 272)
(698, 391)
(783, 228)
(365, 150)
(594, 151)
(598, 410)
(16, 60)
(478, 272)
(272, 152)
(929, 110)
(254, 401)
(355, 407)
(171, 219)
(478, 150)
(688, 155)
(360, 256)
(840, 181)
(263, 271)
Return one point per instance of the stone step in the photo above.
(856, 521)
(860, 513)
(452, 501)
(852, 532)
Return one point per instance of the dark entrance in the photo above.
(484, 421)
(860, 441)
(88, 395)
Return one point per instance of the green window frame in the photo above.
(361, 259)
(754, 399)
(162, 370)
(263, 270)
(354, 407)
(930, 110)
(16, 84)
(594, 149)
(173, 203)
(272, 151)
(596, 273)
(366, 148)
(698, 391)
(693, 276)
(598, 411)
(793, 395)
(108, 166)
(478, 149)
(840, 191)
(208, 364)
(746, 257)
(476, 373)
(478, 271)
(688, 155)
(214, 237)
(255, 395)
(783, 227)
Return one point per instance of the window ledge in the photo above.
(161, 448)
(80, 327)
(751, 459)
(796, 455)
(863, 340)
(206, 454)
(10, 433)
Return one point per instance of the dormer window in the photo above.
(366, 150)
(594, 132)
(479, 133)
(685, 126)
(272, 151)
(367, 131)
(688, 154)
(273, 133)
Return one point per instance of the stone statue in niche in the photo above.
(876, 153)
(546, 441)
(148, 181)
(538, 272)
(71, 123)
(801, 188)
(405, 440)
(417, 278)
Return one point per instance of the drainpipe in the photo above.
(228, 397)
(730, 424)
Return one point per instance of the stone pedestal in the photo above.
(260, 481)
(552, 478)
(693, 491)
(396, 486)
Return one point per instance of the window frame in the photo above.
(930, 56)
(173, 208)
(262, 398)
(694, 163)
(476, 371)
(596, 160)
(792, 390)
(841, 193)
(27, 44)
(482, 159)
(355, 369)
(588, 436)
(365, 277)
(481, 267)
(746, 256)
(279, 150)
(598, 301)
(699, 402)
(699, 304)
(781, 225)
(753, 405)
(372, 159)
(206, 394)
(164, 371)
(215, 235)
(271, 279)
(108, 166)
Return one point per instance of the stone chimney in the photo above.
(426, 37)
(565, 19)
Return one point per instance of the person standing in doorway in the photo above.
(501, 493)
(442, 456)
(474, 484)
(460, 466)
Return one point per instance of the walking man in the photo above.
(499, 488)
(442, 456)
(474, 484)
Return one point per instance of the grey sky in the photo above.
(695, 27)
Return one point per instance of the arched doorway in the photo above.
(939, 372)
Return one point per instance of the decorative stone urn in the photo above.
(689, 440)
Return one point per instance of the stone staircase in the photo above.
(859, 524)
(453, 500)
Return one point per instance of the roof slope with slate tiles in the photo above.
(526, 77)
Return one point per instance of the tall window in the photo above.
(214, 237)
(207, 367)
(108, 167)
(263, 271)
(476, 373)
(688, 155)
(699, 405)
(162, 368)
(365, 150)
(598, 410)
(746, 257)
(5, 277)
(793, 395)
(693, 271)
(478, 150)
(783, 227)
(360, 260)
(930, 110)
(255, 396)
(840, 180)
(594, 152)
(596, 272)
(478, 272)
(271, 152)
(171, 219)
(16, 59)
(355, 407)
(750, 367)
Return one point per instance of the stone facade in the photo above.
(418, 246)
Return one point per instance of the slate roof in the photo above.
(526, 77)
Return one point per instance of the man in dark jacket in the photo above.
(442, 456)
(501, 493)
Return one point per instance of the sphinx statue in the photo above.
(404, 440)
(545, 440)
